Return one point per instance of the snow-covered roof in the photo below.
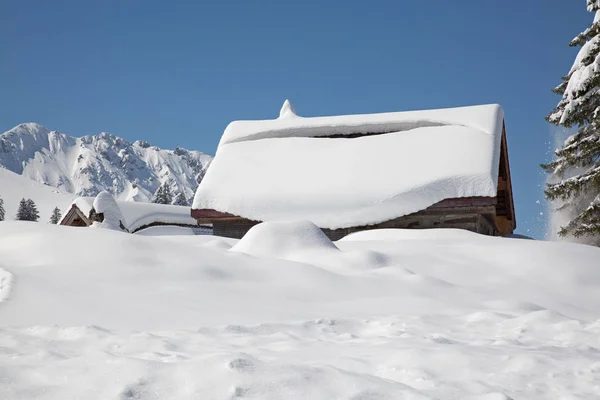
(485, 118)
(286, 168)
(137, 214)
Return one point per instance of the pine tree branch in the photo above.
(573, 186)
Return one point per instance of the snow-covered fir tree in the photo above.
(2, 212)
(181, 200)
(576, 168)
(34, 214)
(163, 194)
(27, 211)
(56, 215)
(22, 211)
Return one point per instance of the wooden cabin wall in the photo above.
(472, 219)
(505, 209)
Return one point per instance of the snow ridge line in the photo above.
(322, 132)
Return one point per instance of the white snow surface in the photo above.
(14, 187)
(274, 171)
(444, 315)
(283, 239)
(166, 231)
(138, 214)
(485, 118)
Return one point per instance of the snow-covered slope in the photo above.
(85, 166)
(14, 187)
(421, 314)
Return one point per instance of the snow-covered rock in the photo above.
(88, 165)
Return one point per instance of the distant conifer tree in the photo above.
(163, 194)
(32, 211)
(2, 212)
(22, 211)
(181, 200)
(55, 217)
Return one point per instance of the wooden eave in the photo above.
(73, 215)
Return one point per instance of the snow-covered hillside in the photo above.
(87, 165)
(14, 187)
(286, 314)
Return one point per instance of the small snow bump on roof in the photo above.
(287, 110)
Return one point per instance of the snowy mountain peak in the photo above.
(287, 110)
(29, 127)
(90, 164)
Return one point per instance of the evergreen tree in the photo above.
(181, 200)
(163, 194)
(32, 210)
(2, 213)
(577, 164)
(22, 211)
(27, 211)
(55, 217)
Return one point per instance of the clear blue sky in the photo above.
(175, 73)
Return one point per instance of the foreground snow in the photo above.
(380, 315)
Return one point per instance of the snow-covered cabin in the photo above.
(443, 168)
(134, 216)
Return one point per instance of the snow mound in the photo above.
(218, 244)
(105, 204)
(284, 239)
(304, 242)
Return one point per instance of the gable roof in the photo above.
(138, 215)
(353, 170)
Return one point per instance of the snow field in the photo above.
(482, 355)
(285, 313)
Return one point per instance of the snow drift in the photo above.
(95, 313)
(284, 239)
